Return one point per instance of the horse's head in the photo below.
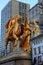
(27, 23)
(18, 17)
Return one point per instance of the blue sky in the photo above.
(4, 2)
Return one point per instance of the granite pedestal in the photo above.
(17, 58)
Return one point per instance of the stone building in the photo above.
(36, 12)
(37, 48)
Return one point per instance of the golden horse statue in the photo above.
(13, 31)
(25, 41)
(23, 34)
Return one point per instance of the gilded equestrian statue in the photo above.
(13, 32)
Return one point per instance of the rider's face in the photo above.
(13, 21)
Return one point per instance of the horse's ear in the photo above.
(6, 26)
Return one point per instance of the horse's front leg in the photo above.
(13, 45)
(14, 35)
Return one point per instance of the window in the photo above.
(25, 6)
(34, 51)
(40, 1)
(38, 42)
(41, 11)
(19, 3)
(42, 47)
(22, 10)
(39, 59)
(34, 43)
(35, 59)
(39, 50)
(41, 6)
(20, 13)
(36, 11)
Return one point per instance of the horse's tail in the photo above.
(7, 24)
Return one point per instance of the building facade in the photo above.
(37, 48)
(11, 9)
(19, 8)
(40, 1)
(36, 13)
(5, 16)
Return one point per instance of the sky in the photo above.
(4, 2)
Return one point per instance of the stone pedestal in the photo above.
(17, 58)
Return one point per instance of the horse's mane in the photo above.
(7, 24)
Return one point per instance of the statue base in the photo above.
(17, 58)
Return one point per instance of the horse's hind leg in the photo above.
(6, 48)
